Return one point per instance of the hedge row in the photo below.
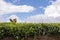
(17, 30)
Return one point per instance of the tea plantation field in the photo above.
(17, 30)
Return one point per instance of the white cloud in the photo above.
(53, 10)
(13, 17)
(6, 8)
(51, 14)
(40, 18)
(1, 19)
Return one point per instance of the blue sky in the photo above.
(27, 9)
(35, 3)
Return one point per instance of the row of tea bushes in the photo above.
(21, 30)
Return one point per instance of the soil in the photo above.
(38, 38)
(8, 38)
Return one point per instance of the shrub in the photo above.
(28, 29)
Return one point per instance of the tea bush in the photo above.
(17, 30)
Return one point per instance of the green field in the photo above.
(17, 30)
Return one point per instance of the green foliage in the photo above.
(17, 30)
